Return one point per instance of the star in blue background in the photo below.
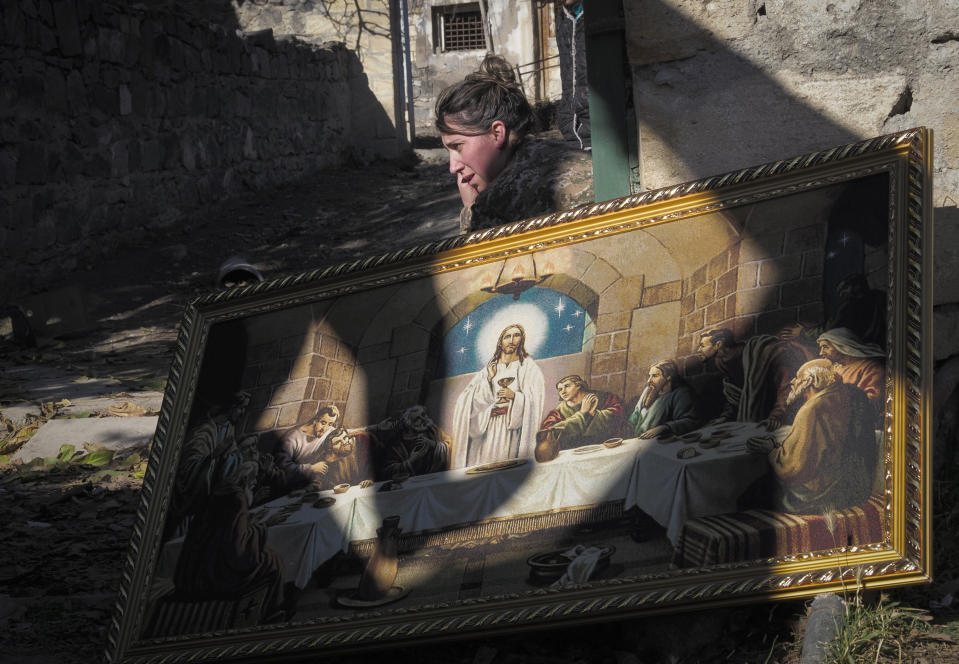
(554, 323)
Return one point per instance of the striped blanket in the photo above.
(759, 534)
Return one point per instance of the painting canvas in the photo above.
(708, 394)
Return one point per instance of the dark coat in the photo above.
(676, 410)
(543, 176)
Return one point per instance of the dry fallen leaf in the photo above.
(127, 409)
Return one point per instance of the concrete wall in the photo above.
(726, 84)
(116, 119)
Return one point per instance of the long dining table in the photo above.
(307, 528)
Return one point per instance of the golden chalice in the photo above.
(501, 407)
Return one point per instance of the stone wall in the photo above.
(367, 28)
(296, 363)
(709, 299)
(116, 119)
(754, 288)
(372, 29)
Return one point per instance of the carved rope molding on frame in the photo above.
(914, 137)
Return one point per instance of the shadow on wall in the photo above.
(365, 30)
(707, 109)
(219, 12)
(372, 132)
(136, 115)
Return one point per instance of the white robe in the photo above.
(478, 436)
(302, 448)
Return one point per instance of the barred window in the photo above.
(458, 28)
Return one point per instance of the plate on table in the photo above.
(692, 436)
(588, 449)
(720, 435)
(325, 501)
(496, 465)
(668, 438)
(276, 519)
(709, 442)
(687, 452)
(612, 442)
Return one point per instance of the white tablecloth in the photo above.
(672, 490)
(644, 473)
(453, 497)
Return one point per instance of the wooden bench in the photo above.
(761, 534)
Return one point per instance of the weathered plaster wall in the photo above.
(725, 84)
(511, 34)
(116, 119)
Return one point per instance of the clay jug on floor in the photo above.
(547, 445)
(381, 568)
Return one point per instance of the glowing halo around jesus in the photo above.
(531, 317)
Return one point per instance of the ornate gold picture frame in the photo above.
(708, 394)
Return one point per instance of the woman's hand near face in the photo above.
(477, 159)
(468, 192)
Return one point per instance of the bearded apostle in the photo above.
(410, 443)
(756, 374)
(856, 363)
(667, 404)
(828, 459)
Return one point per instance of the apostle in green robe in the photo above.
(666, 406)
(584, 416)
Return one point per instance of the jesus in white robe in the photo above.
(496, 417)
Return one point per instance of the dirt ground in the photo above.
(66, 531)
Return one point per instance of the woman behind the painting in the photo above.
(224, 553)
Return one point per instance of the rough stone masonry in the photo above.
(118, 118)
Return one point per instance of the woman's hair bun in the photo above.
(497, 68)
(490, 93)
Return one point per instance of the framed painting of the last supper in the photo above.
(710, 394)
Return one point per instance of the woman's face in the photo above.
(477, 160)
